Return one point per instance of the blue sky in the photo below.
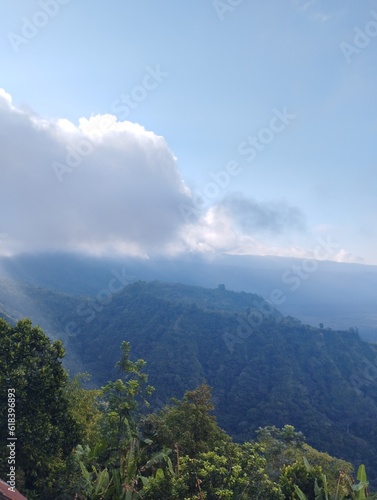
(224, 70)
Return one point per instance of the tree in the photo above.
(114, 467)
(84, 406)
(279, 447)
(187, 426)
(286, 452)
(30, 366)
(122, 399)
(227, 472)
(298, 475)
(206, 463)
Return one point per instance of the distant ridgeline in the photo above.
(265, 369)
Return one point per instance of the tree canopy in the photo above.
(46, 432)
(82, 443)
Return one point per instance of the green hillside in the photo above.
(265, 369)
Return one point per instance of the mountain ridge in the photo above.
(338, 295)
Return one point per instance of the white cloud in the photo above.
(239, 225)
(105, 186)
(344, 256)
(100, 186)
(5, 98)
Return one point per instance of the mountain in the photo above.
(265, 368)
(338, 295)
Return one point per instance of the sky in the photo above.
(211, 126)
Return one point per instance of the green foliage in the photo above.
(178, 453)
(346, 488)
(45, 429)
(320, 381)
(207, 464)
(84, 406)
(280, 447)
(126, 481)
(299, 475)
(113, 468)
(286, 447)
(224, 471)
(279, 370)
(121, 400)
(187, 425)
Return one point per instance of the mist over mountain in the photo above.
(339, 295)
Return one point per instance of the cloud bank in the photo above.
(101, 185)
(106, 186)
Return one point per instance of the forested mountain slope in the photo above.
(265, 369)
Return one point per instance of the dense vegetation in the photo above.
(277, 371)
(95, 444)
(45, 431)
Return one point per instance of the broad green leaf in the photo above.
(144, 480)
(102, 482)
(160, 474)
(361, 474)
(300, 494)
(307, 465)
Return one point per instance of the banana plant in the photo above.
(356, 491)
(127, 481)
